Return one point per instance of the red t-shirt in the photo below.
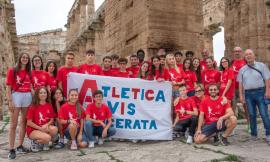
(40, 115)
(198, 100)
(225, 76)
(115, 70)
(40, 78)
(134, 71)
(164, 75)
(148, 77)
(93, 69)
(53, 83)
(210, 76)
(175, 76)
(185, 104)
(190, 79)
(62, 76)
(98, 113)
(19, 83)
(213, 109)
(109, 72)
(237, 65)
(180, 66)
(122, 74)
(203, 65)
(68, 112)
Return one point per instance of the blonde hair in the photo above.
(167, 65)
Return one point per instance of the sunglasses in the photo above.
(213, 90)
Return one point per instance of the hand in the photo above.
(11, 106)
(219, 123)
(176, 101)
(160, 80)
(73, 122)
(102, 124)
(267, 94)
(45, 128)
(224, 100)
(104, 133)
(174, 83)
(241, 99)
(182, 111)
(79, 137)
(198, 132)
(130, 73)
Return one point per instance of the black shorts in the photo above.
(209, 129)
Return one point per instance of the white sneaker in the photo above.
(189, 140)
(91, 144)
(100, 141)
(46, 147)
(134, 141)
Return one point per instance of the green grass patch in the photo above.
(228, 158)
(6, 121)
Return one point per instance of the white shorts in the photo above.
(21, 99)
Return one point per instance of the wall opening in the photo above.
(219, 45)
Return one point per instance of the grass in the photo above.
(228, 158)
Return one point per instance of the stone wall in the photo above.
(247, 24)
(131, 25)
(8, 49)
(213, 17)
(48, 44)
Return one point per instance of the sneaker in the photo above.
(100, 141)
(35, 147)
(224, 141)
(46, 147)
(91, 144)
(12, 154)
(73, 146)
(216, 140)
(134, 141)
(189, 140)
(22, 150)
(59, 145)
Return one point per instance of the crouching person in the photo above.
(186, 114)
(217, 116)
(71, 115)
(98, 120)
(40, 118)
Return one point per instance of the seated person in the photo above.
(215, 117)
(98, 120)
(40, 119)
(186, 114)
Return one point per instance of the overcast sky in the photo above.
(41, 15)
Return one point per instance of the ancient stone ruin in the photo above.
(124, 26)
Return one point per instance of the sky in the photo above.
(41, 15)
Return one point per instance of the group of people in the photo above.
(203, 97)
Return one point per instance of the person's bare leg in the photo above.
(230, 124)
(12, 127)
(22, 125)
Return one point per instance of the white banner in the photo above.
(141, 109)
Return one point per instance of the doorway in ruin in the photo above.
(219, 45)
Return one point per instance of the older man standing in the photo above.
(254, 79)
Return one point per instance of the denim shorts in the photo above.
(209, 129)
(21, 99)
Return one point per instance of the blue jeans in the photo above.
(255, 98)
(91, 131)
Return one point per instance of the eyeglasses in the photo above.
(211, 90)
(199, 91)
(37, 60)
(25, 57)
(224, 61)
